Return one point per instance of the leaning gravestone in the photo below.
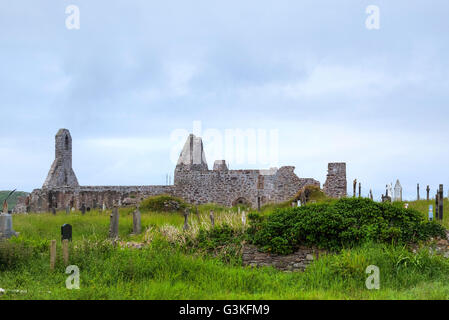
(66, 232)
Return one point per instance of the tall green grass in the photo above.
(165, 272)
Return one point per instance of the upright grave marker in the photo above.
(417, 192)
(428, 193)
(354, 187)
(137, 224)
(6, 230)
(66, 232)
(440, 202)
(212, 219)
(243, 219)
(113, 228)
(186, 220)
(397, 191)
(52, 254)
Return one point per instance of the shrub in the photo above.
(338, 224)
(222, 241)
(164, 203)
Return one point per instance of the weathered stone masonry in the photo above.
(193, 182)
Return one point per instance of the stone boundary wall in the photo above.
(43, 200)
(297, 261)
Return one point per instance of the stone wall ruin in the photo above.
(193, 182)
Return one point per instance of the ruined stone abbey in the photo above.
(193, 182)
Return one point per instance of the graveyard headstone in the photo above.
(6, 230)
(186, 219)
(397, 191)
(137, 225)
(113, 228)
(417, 192)
(212, 219)
(66, 232)
(354, 186)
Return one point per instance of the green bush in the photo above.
(164, 203)
(222, 241)
(338, 224)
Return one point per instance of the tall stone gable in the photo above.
(192, 155)
(61, 173)
(336, 185)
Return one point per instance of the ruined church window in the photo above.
(66, 144)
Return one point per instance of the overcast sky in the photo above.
(136, 72)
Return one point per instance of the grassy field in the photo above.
(162, 270)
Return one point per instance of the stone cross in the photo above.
(137, 225)
(428, 193)
(113, 227)
(66, 232)
(212, 219)
(186, 220)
